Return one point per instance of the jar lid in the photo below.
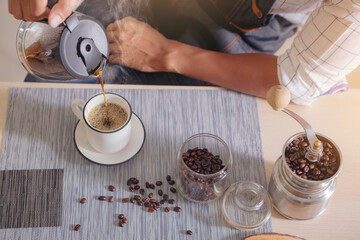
(246, 205)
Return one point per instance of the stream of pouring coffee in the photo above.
(99, 75)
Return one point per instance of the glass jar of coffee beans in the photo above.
(204, 163)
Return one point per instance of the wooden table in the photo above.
(337, 117)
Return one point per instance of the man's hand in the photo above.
(33, 10)
(137, 45)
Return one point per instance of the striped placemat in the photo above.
(39, 135)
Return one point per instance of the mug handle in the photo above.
(77, 106)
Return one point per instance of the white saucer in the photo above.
(136, 142)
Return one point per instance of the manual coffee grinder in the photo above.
(76, 49)
(304, 176)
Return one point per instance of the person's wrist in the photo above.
(175, 57)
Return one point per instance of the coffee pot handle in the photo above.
(278, 97)
(51, 3)
(77, 106)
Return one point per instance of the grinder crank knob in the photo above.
(278, 97)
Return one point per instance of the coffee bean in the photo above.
(156, 208)
(125, 200)
(152, 186)
(168, 178)
(177, 209)
(111, 188)
(150, 195)
(129, 182)
(83, 200)
(145, 199)
(325, 168)
(121, 216)
(201, 161)
(165, 197)
(173, 190)
(189, 232)
(152, 200)
(132, 200)
(121, 224)
(171, 201)
(131, 189)
(142, 191)
(124, 220)
(147, 204)
(135, 181)
(162, 201)
(111, 199)
(102, 198)
(167, 209)
(150, 210)
(139, 202)
(171, 182)
(147, 184)
(160, 192)
(158, 183)
(77, 227)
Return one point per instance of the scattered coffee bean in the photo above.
(152, 186)
(173, 190)
(142, 191)
(77, 227)
(156, 208)
(132, 200)
(166, 197)
(171, 201)
(145, 199)
(137, 197)
(131, 189)
(137, 187)
(139, 202)
(83, 200)
(111, 199)
(147, 204)
(152, 200)
(151, 195)
(158, 183)
(102, 198)
(124, 220)
(160, 192)
(189, 232)
(135, 181)
(147, 184)
(177, 209)
(171, 182)
(111, 188)
(162, 201)
(129, 182)
(168, 178)
(125, 200)
(167, 209)
(121, 224)
(150, 210)
(121, 216)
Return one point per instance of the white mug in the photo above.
(104, 141)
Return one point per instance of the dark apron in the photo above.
(227, 26)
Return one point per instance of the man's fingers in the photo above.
(60, 12)
(16, 9)
(37, 10)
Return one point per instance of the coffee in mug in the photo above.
(117, 117)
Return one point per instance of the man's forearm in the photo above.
(251, 73)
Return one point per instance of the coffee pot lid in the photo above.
(84, 45)
(246, 205)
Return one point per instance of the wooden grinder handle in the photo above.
(278, 97)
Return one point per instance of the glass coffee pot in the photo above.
(76, 49)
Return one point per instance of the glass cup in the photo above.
(200, 187)
(104, 141)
